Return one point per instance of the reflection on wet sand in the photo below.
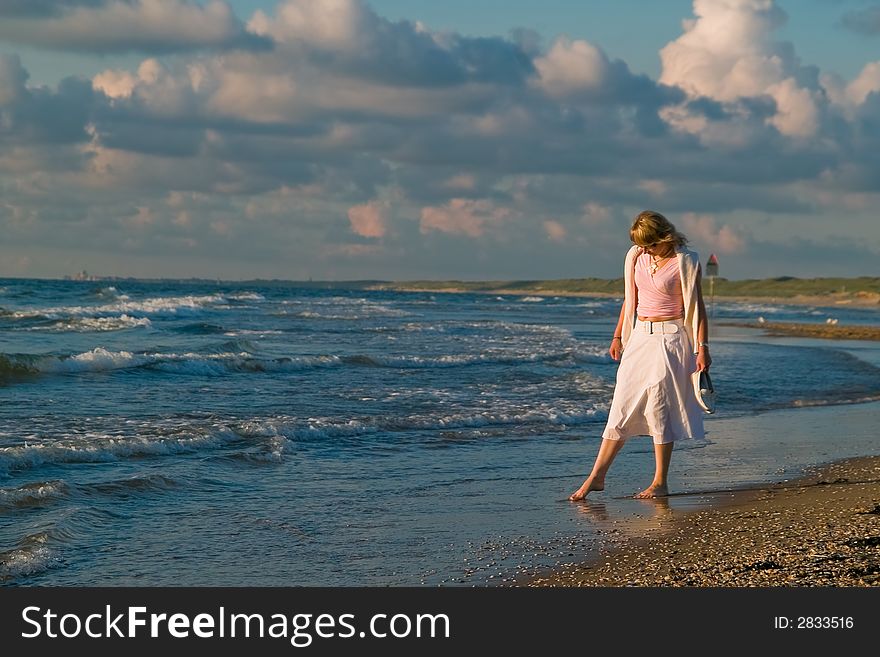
(634, 519)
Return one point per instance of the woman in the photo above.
(663, 336)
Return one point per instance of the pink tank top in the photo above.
(660, 294)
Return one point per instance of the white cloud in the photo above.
(851, 95)
(114, 84)
(570, 67)
(325, 24)
(727, 53)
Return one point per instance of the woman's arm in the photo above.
(616, 348)
(704, 360)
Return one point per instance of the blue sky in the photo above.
(411, 139)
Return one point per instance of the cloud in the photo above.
(13, 77)
(555, 231)
(462, 217)
(369, 219)
(595, 214)
(571, 66)
(702, 228)
(348, 37)
(500, 150)
(850, 95)
(461, 181)
(35, 116)
(43, 8)
(727, 53)
(865, 21)
(119, 26)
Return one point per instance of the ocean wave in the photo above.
(219, 364)
(341, 308)
(325, 428)
(32, 493)
(110, 292)
(245, 296)
(512, 358)
(32, 556)
(104, 448)
(750, 308)
(832, 401)
(137, 484)
(253, 332)
(238, 356)
(95, 324)
(531, 299)
(152, 306)
(199, 328)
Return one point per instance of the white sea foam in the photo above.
(531, 299)
(153, 306)
(101, 360)
(102, 447)
(111, 293)
(96, 360)
(96, 324)
(246, 296)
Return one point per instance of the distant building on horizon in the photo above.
(82, 276)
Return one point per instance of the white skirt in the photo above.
(654, 395)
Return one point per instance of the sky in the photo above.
(415, 139)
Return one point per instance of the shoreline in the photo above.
(822, 529)
(854, 300)
(804, 330)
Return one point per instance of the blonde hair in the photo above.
(651, 227)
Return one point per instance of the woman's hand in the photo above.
(616, 348)
(704, 360)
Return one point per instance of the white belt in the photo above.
(669, 326)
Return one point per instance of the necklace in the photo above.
(655, 264)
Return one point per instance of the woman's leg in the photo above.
(596, 481)
(658, 487)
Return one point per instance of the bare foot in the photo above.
(586, 487)
(654, 490)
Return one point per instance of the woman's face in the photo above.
(659, 249)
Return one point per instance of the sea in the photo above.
(157, 433)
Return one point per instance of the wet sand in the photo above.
(820, 530)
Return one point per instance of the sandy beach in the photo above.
(821, 530)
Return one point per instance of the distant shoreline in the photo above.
(825, 331)
(859, 299)
(862, 292)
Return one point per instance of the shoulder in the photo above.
(633, 252)
(690, 256)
